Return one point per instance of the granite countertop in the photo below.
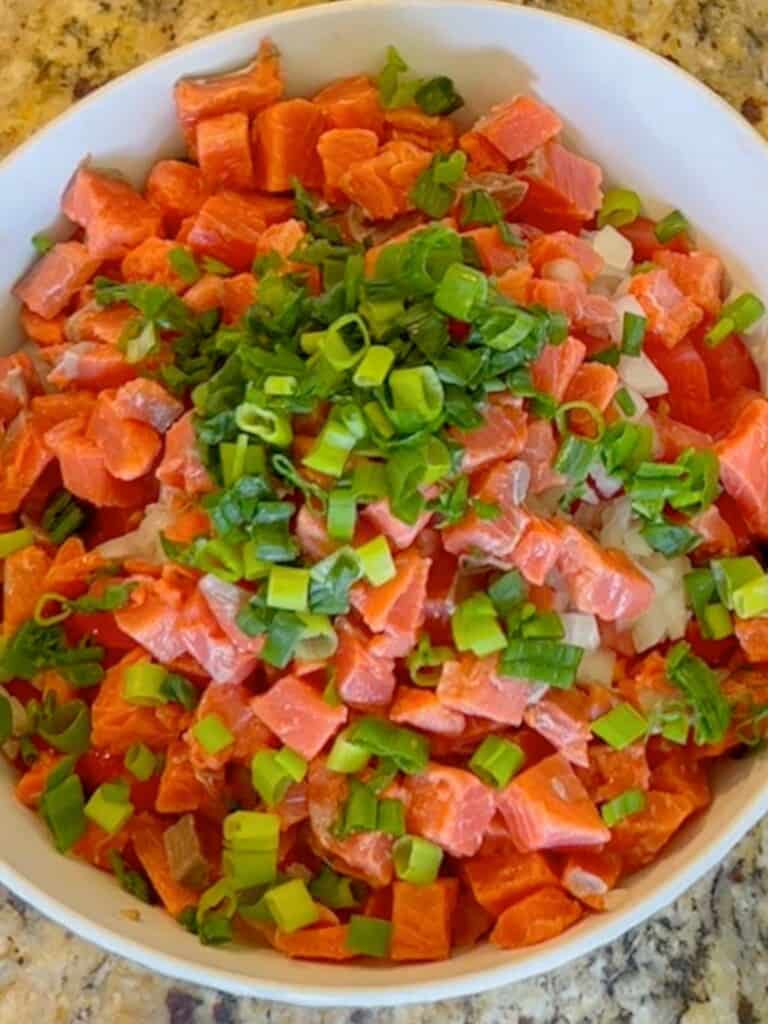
(702, 960)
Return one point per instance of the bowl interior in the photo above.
(652, 128)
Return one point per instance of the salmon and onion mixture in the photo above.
(383, 504)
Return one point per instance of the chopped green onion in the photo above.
(332, 890)
(497, 760)
(541, 661)
(143, 684)
(247, 868)
(106, 810)
(178, 690)
(587, 407)
(716, 621)
(507, 591)
(342, 430)
(425, 662)
(140, 761)
(269, 778)
(372, 371)
(219, 898)
(699, 684)
(288, 588)
(6, 719)
(15, 540)
(272, 427)
(676, 728)
(671, 539)
(62, 809)
(215, 930)
(318, 639)
(212, 734)
(183, 263)
(391, 817)
(291, 905)
(292, 763)
(751, 599)
(432, 191)
(417, 395)
(736, 316)
(438, 96)
(671, 226)
(461, 291)
(407, 749)
(368, 936)
(547, 625)
(633, 334)
(252, 831)
(575, 457)
(416, 860)
(630, 802)
(347, 757)
(620, 206)
(62, 517)
(42, 243)
(342, 514)
(475, 627)
(360, 812)
(376, 561)
(608, 356)
(625, 402)
(620, 727)
(68, 727)
(282, 385)
(43, 618)
(730, 574)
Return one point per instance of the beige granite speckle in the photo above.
(702, 961)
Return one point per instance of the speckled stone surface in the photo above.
(704, 960)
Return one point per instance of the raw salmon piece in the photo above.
(472, 686)
(284, 239)
(52, 282)
(352, 103)
(678, 773)
(340, 147)
(561, 183)
(24, 457)
(589, 876)
(595, 383)
(147, 401)
(424, 710)
(546, 807)
(513, 283)
(31, 784)
(516, 128)
(364, 677)
(538, 550)
(554, 369)
(752, 634)
(232, 704)
(115, 217)
(421, 920)
(84, 471)
(150, 262)
(675, 437)
(226, 601)
(151, 618)
(91, 323)
(539, 454)
(328, 942)
(147, 834)
(237, 294)
(24, 574)
(540, 916)
(182, 465)
(619, 770)
(562, 245)
(224, 151)
(671, 314)
(177, 189)
(396, 608)
(561, 718)
(210, 646)
(43, 330)
(429, 131)
(743, 466)
(501, 436)
(450, 807)
(498, 879)
(717, 536)
(602, 581)
(18, 382)
(298, 715)
(205, 294)
(179, 790)
(496, 538)
(698, 275)
(584, 310)
(130, 448)
(482, 155)
(638, 838)
(91, 365)
(249, 90)
(381, 184)
(285, 139)
(496, 255)
(367, 855)
(116, 724)
(227, 227)
(312, 535)
(647, 686)
(401, 534)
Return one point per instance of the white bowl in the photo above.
(651, 127)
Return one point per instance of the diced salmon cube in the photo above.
(381, 184)
(396, 607)
(340, 147)
(352, 103)
(423, 709)
(678, 773)
(226, 601)
(205, 294)
(540, 916)
(498, 879)
(147, 401)
(177, 189)
(115, 217)
(298, 715)
(595, 383)
(752, 634)
(539, 454)
(482, 155)
(24, 457)
(147, 835)
(210, 646)
(589, 876)
(91, 323)
(41, 329)
(674, 437)
(18, 382)
(562, 245)
(561, 718)
(151, 618)
(561, 183)
(698, 275)
(179, 790)
(497, 537)
(450, 807)
(401, 534)
(638, 838)
(546, 807)
(538, 550)
(249, 90)
(602, 581)
(285, 139)
(717, 536)
(743, 466)
(421, 920)
(554, 369)
(501, 436)
(619, 770)
(130, 448)
(24, 576)
(90, 365)
(496, 255)
(312, 535)
(238, 293)
(53, 281)
(519, 126)
(364, 678)
(474, 687)
(594, 313)
(228, 227)
(224, 151)
(514, 283)
(150, 262)
(284, 239)
(232, 705)
(182, 465)
(429, 131)
(671, 314)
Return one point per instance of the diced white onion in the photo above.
(581, 630)
(143, 542)
(607, 485)
(596, 667)
(640, 374)
(565, 270)
(614, 248)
